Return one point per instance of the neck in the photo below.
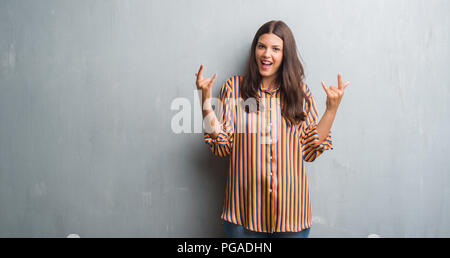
(269, 83)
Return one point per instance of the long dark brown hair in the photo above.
(290, 74)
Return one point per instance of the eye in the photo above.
(277, 49)
(260, 46)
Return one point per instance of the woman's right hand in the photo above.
(204, 84)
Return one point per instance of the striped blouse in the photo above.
(267, 187)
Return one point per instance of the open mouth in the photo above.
(266, 65)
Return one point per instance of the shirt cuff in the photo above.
(312, 140)
(222, 138)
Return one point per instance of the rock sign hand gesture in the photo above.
(204, 84)
(334, 95)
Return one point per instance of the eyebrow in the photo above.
(272, 45)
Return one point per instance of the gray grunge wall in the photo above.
(86, 94)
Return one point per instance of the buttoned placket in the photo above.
(272, 159)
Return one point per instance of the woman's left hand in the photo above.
(334, 95)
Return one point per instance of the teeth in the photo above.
(267, 63)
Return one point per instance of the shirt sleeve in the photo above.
(309, 134)
(223, 144)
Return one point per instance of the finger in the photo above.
(200, 72)
(346, 84)
(340, 85)
(213, 79)
(325, 88)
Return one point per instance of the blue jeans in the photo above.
(237, 231)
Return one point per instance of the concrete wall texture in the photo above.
(86, 87)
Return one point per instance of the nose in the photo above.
(266, 53)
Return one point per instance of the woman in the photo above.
(268, 125)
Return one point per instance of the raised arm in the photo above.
(334, 96)
(206, 85)
(219, 133)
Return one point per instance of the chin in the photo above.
(266, 74)
(263, 73)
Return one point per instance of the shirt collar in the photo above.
(268, 90)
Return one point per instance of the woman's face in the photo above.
(269, 54)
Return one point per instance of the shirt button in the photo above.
(270, 190)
